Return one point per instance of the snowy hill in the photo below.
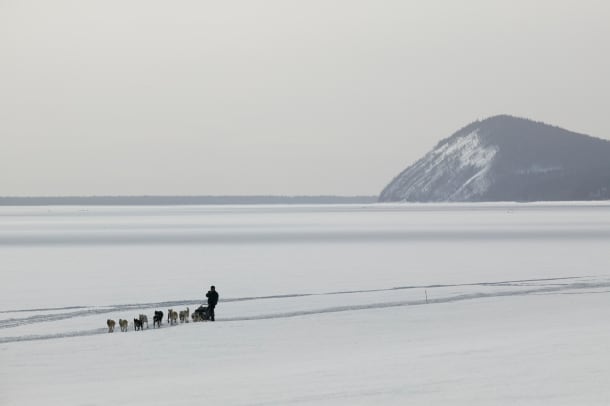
(505, 158)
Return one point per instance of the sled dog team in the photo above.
(138, 323)
(200, 314)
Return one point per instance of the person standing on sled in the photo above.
(212, 296)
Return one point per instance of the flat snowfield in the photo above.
(472, 304)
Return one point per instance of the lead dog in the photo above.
(110, 324)
(123, 324)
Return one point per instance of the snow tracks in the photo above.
(77, 321)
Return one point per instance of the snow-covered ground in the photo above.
(319, 304)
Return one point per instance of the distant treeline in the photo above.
(180, 200)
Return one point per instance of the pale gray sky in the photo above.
(278, 97)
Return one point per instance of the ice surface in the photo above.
(319, 304)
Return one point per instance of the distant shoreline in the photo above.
(180, 200)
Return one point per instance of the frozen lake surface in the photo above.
(319, 304)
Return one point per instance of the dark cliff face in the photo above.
(506, 158)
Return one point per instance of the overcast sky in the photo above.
(120, 97)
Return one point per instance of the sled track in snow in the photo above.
(527, 287)
(83, 311)
(449, 299)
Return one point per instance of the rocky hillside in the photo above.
(505, 158)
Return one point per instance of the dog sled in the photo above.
(201, 314)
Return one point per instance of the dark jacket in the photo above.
(212, 296)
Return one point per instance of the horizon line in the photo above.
(182, 199)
